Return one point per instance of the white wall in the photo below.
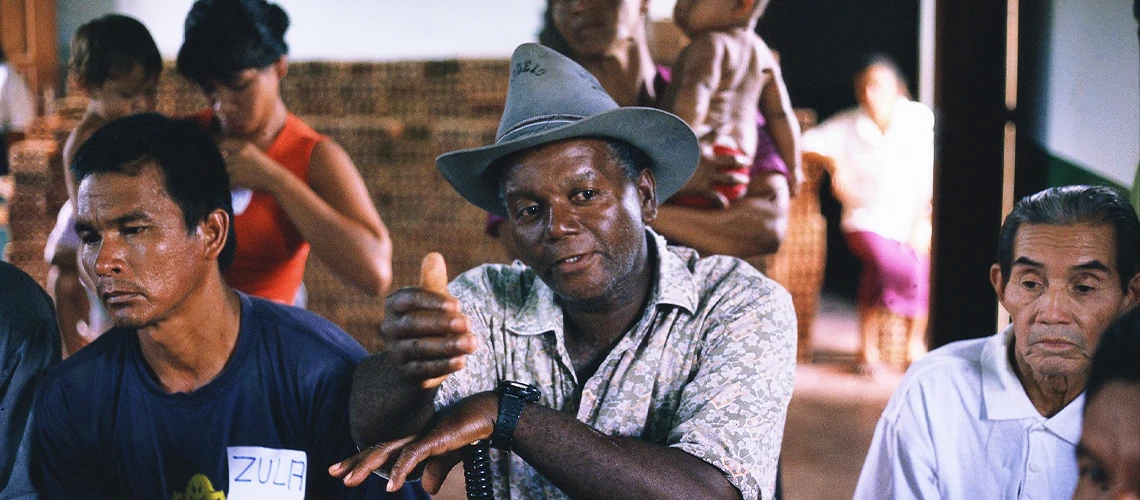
(372, 30)
(1094, 87)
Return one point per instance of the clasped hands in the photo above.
(247, 165)
(427, 338)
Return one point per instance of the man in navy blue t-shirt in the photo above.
(199, 392)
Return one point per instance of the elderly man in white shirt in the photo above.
(1000, 417)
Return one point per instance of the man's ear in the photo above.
(281, 67)
(997, 281)
(214, 230)
(646, 186)
(1132, 291)
(77, 83)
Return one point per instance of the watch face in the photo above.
(520, 390)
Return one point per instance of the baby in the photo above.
(115, 62)
(720, 77)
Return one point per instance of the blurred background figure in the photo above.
(881, 159)
(29, 344)
(306, 189)
(116, 64)
(1108, 455)
(721, 76)
(17, 109)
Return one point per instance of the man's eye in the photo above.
(585, 194)
(1084, 289)
(133, 230)
(89, 238)
(526, 211)
(1030, 284)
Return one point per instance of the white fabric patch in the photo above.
(258, 473)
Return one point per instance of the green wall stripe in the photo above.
(1064, 173)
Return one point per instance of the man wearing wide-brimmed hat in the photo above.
(610, 364)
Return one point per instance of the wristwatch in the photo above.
(512, 397)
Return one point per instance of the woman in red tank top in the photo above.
(305, 189)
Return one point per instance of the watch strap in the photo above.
(513, 396)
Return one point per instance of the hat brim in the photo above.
(664, 138)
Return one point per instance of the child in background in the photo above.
(719, 78)
(115, 62)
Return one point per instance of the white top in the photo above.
(961, 426)
(884, 180)
(17, 110)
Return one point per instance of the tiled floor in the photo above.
(830, 420)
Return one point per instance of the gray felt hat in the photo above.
(552, 98)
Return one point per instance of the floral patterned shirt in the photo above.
(707, 369)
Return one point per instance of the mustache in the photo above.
(1057, 333)
(105, 286)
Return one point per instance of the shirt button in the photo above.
(1034, 467)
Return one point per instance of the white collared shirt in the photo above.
(961, 426)
(883, 179)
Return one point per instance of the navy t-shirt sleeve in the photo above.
(29, 344)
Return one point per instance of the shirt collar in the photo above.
(673, 284)
(1005, 398)
(1003, 394)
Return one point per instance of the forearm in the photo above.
(754, 225)
(785, 134)
(356, 253)
(587, 464)
(384, 406)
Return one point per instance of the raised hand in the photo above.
(426, 334)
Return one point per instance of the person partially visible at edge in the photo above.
(17, 108)
(116, 64)
(29, 346)
(1000, 417)
(1108, 453)
(721, 76)
(196, 382)
(607, 363)
(608, 38)
(305, 189)
(881, 159)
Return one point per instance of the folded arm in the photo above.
(333, 212)
(751, 226)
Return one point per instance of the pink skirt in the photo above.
(895, 276)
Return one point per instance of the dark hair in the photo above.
(3, 57)
(1116, 355)
(883, 60)
(193, 171)
(111, 46)
(549, 36)
(225, 37)
(632, 160)
(1069, 205)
